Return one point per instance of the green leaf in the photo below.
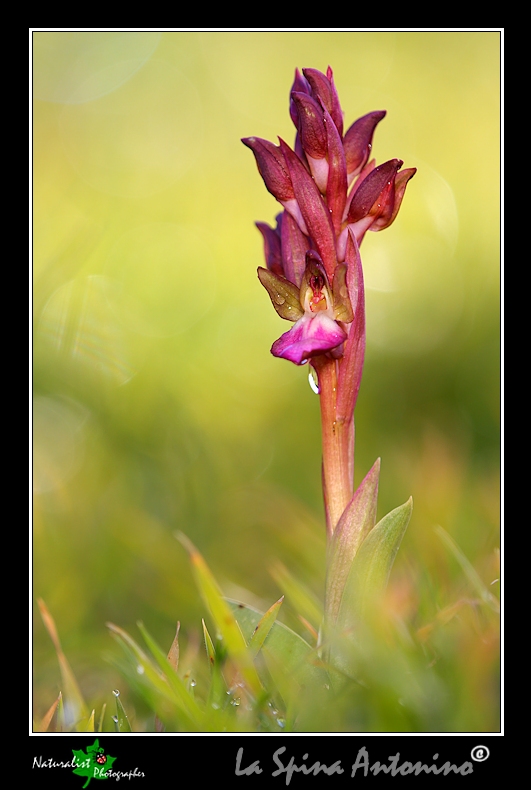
(287, 655)
(356, 522)
(372, 565)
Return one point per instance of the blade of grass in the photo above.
(74, 706)
(217, 693)
(263, 627)
(186, 700)
(173, 653)
(152, 676)
(173, 660)
(48, 716)
(468, 569)
(87, 725)
(123, 719)
(60, 727)
(298, 595)
(209, 645)
(225, 622)
(102, 715)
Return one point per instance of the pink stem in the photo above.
(337, 445)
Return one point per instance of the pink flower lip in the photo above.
(308, 337)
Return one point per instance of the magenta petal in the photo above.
(358, 141)
(388, 215)
(354, 352)
(310, 125)
(300, 85)
(336, 187)
(313, 209)
(309, 337)
(271, 166)
(293, 246)
(376, 193)
(323, 88)
(272, 245)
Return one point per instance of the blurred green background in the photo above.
(157, 405)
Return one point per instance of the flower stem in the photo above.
(338, 445)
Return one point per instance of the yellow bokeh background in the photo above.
(157, 405)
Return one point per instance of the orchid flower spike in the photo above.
(329, 190)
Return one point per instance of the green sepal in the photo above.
(342, 306)
(285, 297)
